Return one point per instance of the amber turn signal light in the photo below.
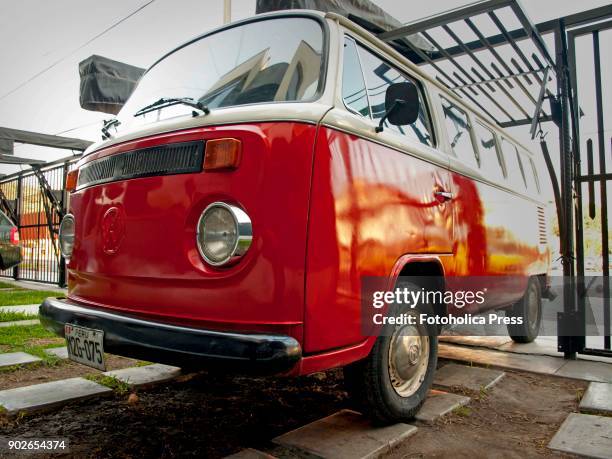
(222, 154)
(71, 180)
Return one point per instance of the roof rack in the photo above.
(480, 60)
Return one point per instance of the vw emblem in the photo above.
(113, 230)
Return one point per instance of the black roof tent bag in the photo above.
(106, 84)
(363, 12)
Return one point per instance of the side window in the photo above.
(353, 86)
(378, 75)
(535, 174)
(490, 162)
(516, 173)
(458, 129)
(528, 171)
(4, 220)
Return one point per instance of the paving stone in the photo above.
(439, 403)
(22, 323)
(250, 453)
(31, 309)
(533, 363)
(148, 374)
(589, 371)
(479, 341)
(597, 398)
(584, 435)
(16, 358)
(345, 435)
(472, 378)
(46, 395)
(60, 352)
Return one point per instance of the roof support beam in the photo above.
(44, 140)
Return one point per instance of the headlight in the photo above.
(66, 236)
(224, 232)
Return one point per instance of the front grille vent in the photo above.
(170, 159)
(542, 225)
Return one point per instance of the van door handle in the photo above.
(443, 196)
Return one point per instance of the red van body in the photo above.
(328, 206)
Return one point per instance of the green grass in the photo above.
(7, 285)
(19, 338)
(10, 316)
(24, 296)
(118, 386)
(462, 411)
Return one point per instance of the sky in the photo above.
(43, 42)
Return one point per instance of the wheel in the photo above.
(529, 308)
(391, 384)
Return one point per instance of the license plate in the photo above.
(85, 345)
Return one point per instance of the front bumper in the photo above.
(176, 345)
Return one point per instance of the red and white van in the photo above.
(256, 175)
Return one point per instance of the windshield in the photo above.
(275, 60)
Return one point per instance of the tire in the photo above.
(377, 387)
(529, 309)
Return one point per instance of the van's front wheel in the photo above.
(391, 384)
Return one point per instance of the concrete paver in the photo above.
(345, 435)
(17, 358)
(46, 395)
(584, 435)
(472, 378)
(597, 398)
(60, 352)
(148, 374)
(439, 403)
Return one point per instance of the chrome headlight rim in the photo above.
(67, 217)
(244, 231)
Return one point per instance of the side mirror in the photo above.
(401, 105)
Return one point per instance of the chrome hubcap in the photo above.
(533, 311)
(408, 359)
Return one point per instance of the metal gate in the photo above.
(592, 146)
(36, 201)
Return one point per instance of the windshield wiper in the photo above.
(168, 101)
(107, 125)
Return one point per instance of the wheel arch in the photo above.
(428, 268)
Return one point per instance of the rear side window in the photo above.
(516, 173)
(353, 86)
(535, 174)
(490, 162)
(458, 129)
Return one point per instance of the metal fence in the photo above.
(36, 201)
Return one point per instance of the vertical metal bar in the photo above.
(602, 189)
(591, 183)
(568, 343)
(18, 207)
(538, 107)
(61, 281)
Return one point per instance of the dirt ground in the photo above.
(216, 415)
(516, 418)
(38, 373)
